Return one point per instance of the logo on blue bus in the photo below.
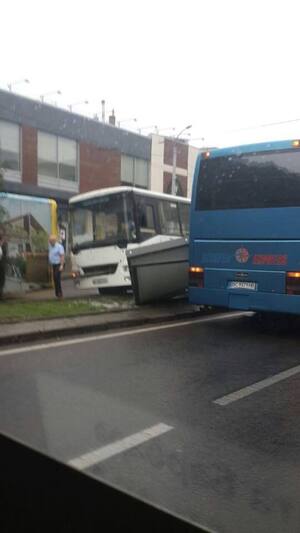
(242, 255)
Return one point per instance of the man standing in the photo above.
(56, 260)
(3, 258)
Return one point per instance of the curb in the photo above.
(105, 326)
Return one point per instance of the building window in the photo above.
(67, 159)
(47, 155)
(57, 161)
(135, 171)
(9, 146)
(127, 169)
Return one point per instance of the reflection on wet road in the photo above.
(200, 418)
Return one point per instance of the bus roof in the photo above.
(249, 148)
(23, 198)
(115, 190)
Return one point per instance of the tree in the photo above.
(40, 241)
(3, 211)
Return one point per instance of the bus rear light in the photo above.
(196, 277)
(296, 143)
(293, 274)
(293, 282)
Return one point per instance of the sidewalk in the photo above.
(69, 290)
(60, 327)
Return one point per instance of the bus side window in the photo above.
(169, 218)
(146, 221)
(184, 210)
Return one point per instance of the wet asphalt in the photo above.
(230, 468)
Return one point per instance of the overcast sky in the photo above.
(219, 65)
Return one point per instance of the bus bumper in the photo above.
(102, 282)
(245, 300)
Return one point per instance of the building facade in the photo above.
(52, 153)
(49, 152)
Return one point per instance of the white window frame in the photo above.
(58, 183)
(133, 183)
(14, 175)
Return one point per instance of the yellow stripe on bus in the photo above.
(53, 211)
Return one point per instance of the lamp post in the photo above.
(43, 96)
(175, 139)
(17, 82)
(71, 106)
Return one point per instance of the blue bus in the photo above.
(245, 228)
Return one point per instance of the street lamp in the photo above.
(43, 96)
(17, 82)
(175, 139)
(126, 120)
(71, 106)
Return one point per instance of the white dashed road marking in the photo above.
(251, 389)
(106, 452)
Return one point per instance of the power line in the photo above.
(264, 125)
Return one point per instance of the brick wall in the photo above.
(29, 155)
(168, 184)
(98, 167)
(182, 153)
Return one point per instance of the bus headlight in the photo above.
(196, 277)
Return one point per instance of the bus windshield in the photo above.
(250, 180)
(102, 221)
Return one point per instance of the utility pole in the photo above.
(173, 189)
(175, 139)
(103, 110)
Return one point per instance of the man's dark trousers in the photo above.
(57, 280)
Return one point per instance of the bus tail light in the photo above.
(293, 283)
(196, 277)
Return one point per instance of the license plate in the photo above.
(248, 285)
(100, 281)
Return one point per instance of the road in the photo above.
(169, 414)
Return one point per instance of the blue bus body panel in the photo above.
(243, 300)
(253, 245)
(271, 223)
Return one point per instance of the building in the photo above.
(49, 152)
(162, 165)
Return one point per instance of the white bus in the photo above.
(107, 222)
